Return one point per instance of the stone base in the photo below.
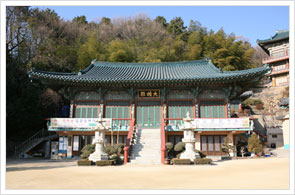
(96, 156)
(189, 155)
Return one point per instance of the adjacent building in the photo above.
(152, 97)
(277, 48)
(274, 96)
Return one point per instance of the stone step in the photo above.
(147, 147)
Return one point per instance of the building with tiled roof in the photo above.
(147, 102)
(277, 47)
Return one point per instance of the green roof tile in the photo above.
(284, 34)
(163, 72)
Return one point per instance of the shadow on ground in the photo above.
(10, 169)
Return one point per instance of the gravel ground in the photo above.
(257, 173)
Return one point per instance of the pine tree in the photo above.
(226, 147)
(254, 144)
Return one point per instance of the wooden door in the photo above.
(148, 114)
(211, 145)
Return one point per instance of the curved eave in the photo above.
(239, 76)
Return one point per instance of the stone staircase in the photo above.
(147, 147)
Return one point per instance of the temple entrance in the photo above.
(148, 114)
(211, 144)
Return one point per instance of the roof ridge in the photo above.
(132, 64)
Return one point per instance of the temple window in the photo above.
(86, 110)
(178, 109)
(175, 138)
(118, 110)
(212, 109)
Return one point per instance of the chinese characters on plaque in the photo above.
(153, 93)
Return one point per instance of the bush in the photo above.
(252, 102)
(110, 150)
(227, 147)
(202, 161)
(84, 162)
(87, 150)
(254, 144)
(202, 155)
(104, 162)
(169, 149)
(116, 158)
(120, 148)
(177, 161)
(179, 147)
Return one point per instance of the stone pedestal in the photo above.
(189, 140)
(99, 140)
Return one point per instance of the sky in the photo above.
(250, 22)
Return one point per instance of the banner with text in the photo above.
(85, 124)
(222, 123)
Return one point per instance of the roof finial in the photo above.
(93, 61)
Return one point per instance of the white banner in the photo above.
(222, 123)
(75, 123)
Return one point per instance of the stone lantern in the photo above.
(188, 139)
(99, 140)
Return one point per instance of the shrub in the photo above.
(226, 147)
(110, 150)
(104, 162)
(87, 150)
(169, 149)
(177, 161)
(202, 161)
(179, 147)
(116, 158)
(202, 155)
(120, 148)
(84, 162)
(252, 102)
(254, 144)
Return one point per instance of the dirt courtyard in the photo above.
(263, 173)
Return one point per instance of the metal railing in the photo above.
(163, 141)
(18, 150)
(129, 140)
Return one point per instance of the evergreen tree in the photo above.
(161, 20)
(227, 147)
(254, 144)
(176, 26)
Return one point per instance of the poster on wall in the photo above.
(61, 143)
(65, 143)
(76, 143)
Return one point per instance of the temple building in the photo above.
(151, 99)
(277, 48)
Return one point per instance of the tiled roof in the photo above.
(163, 72)
(278, 36)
